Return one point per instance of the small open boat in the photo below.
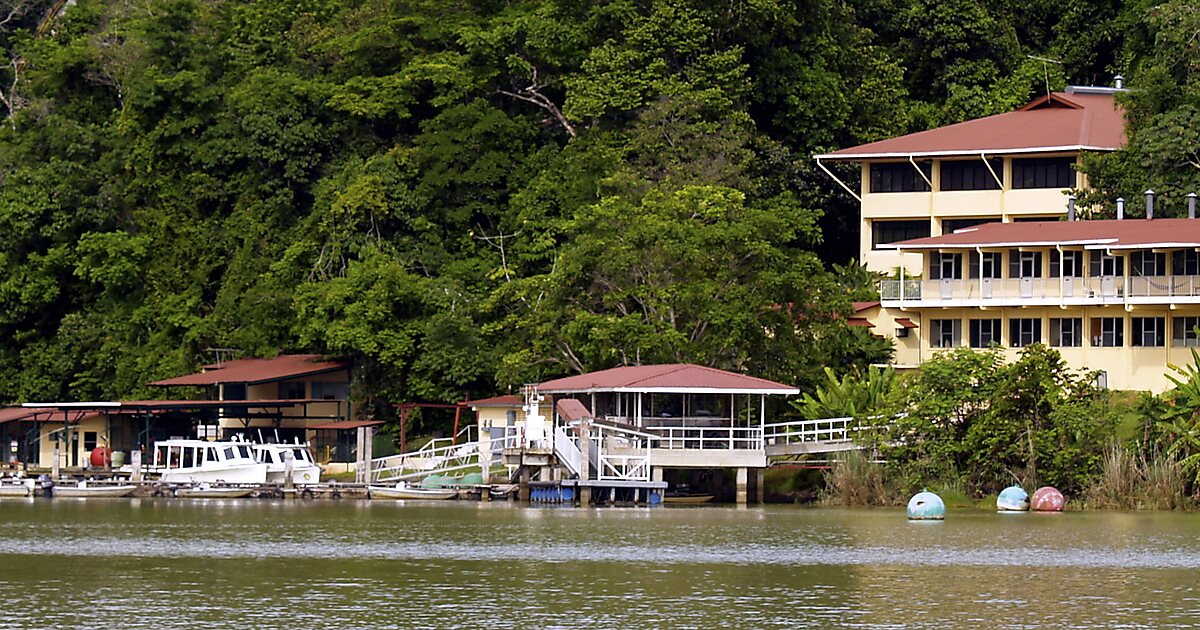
(83, 489)
(405, 491)
(687, 498)
(15, 489)
(206, 491)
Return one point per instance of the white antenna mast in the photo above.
(1045, 69)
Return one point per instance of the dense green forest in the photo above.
(462, 196)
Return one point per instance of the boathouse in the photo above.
(648, 419)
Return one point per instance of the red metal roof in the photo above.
(347, 424)
(859, 307)
(13, 414)
(509, 400)
(571, 410)
(1099, 234)
(905, 322)
(254, 371)
(861, 322)
(1062, 122)
(677, 377)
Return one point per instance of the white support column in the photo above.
(742, 478)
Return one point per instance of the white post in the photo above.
(289, 464)
(135, 460)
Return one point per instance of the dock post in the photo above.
(523, 485)
(760, 488)
(289, 466)
(135, 460)
(56, 464)
(741, 486)
(585, 462)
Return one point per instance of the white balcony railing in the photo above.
(1091, 290)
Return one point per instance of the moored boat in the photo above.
(208, 491)
(198, 461)
(21, 489)
(87, 490)
(405, 491)
(687, 499)
(305, 470)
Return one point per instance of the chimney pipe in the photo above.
(1120, 208)
(1119, 82)
(1149, 204)
(1191, 205)
(1070, 207)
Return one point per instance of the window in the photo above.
(1148, 332)
(1066, 332)
(990, 263)
(1068, 264)
(89, 441)
(945, 266)
(883, 232)
(233, 391)
(1043, 173)
(1024, 264)
(945, 333)
(984, 332)
(899, 177)
(1148, 264)
(1184, 333)
(1185, 262)
(291, 390)
(971, 174)
(1108, 332)
(1105, 265)
(950, 226)
(1024, 332)
(330, 390)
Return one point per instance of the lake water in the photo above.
(236, 564)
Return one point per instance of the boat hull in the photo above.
(250, 473)
(14, 491)
(690, 499)
(93, 491)
(301, 475)
(213, 493)
(386, 492)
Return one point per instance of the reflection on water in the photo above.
(166, 562)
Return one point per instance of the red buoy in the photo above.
(99, 457)
(1047, 499)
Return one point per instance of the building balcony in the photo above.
(1092, 291)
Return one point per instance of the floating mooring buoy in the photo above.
(1047, 499)
(1013, 499)
(926, 506)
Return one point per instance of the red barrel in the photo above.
(99, 457)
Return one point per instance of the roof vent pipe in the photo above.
(1149, 204)
(1191, 205)
(1070, 207)
(1120, 208)
(1119, 82)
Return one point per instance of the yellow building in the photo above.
(1009, 167)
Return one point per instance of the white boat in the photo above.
(198, 461)
(208, 491)
(405, 491)
(84, 489)
(21, 489)
(305, 470)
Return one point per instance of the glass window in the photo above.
(1024, 264)
(899, 177)
(984, 332)
(1066, 332)
(1184, 331)
(945, 266)
(989, 262)
(1185, 262)
(1024, 332)
(1148, 332)
(1105, 265)
(971, 174)
(90, 439)
(945, 333)
(1148, 264)
(330, 390)
(1043, 173)
(950, 226)
(292, 390)
(229, 454)
(1108, 332)
(1068, 264)
(883, 232)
